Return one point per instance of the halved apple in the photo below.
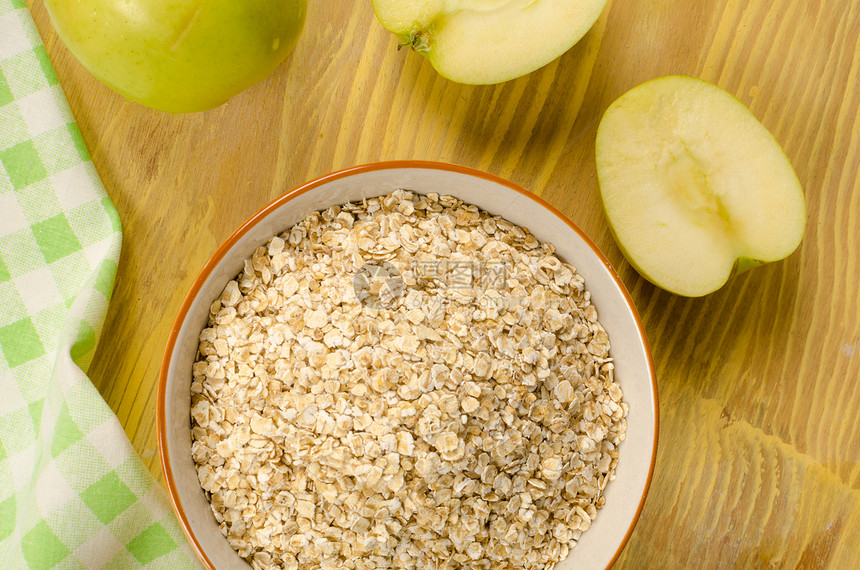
(694, 187)
(488, 41)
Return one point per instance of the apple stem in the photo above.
(420, 41)
(744, 264)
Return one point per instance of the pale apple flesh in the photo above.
(488, 41)
(179, 55)
(694, 187)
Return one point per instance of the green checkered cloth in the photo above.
(73, 493)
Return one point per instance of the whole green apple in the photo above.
(179, 56)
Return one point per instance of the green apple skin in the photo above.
(482, 42)
(179, 56)
(695, 189)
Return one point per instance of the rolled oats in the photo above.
(406, 382)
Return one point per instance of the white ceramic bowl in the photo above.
(602, 543)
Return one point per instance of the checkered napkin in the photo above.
(73, 493)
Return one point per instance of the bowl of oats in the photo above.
(408, 365)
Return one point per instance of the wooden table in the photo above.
(759, 454)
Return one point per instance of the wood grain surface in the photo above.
(759, 455)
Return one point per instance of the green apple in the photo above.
(179, 55)
(488, 41)
(694, 187)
